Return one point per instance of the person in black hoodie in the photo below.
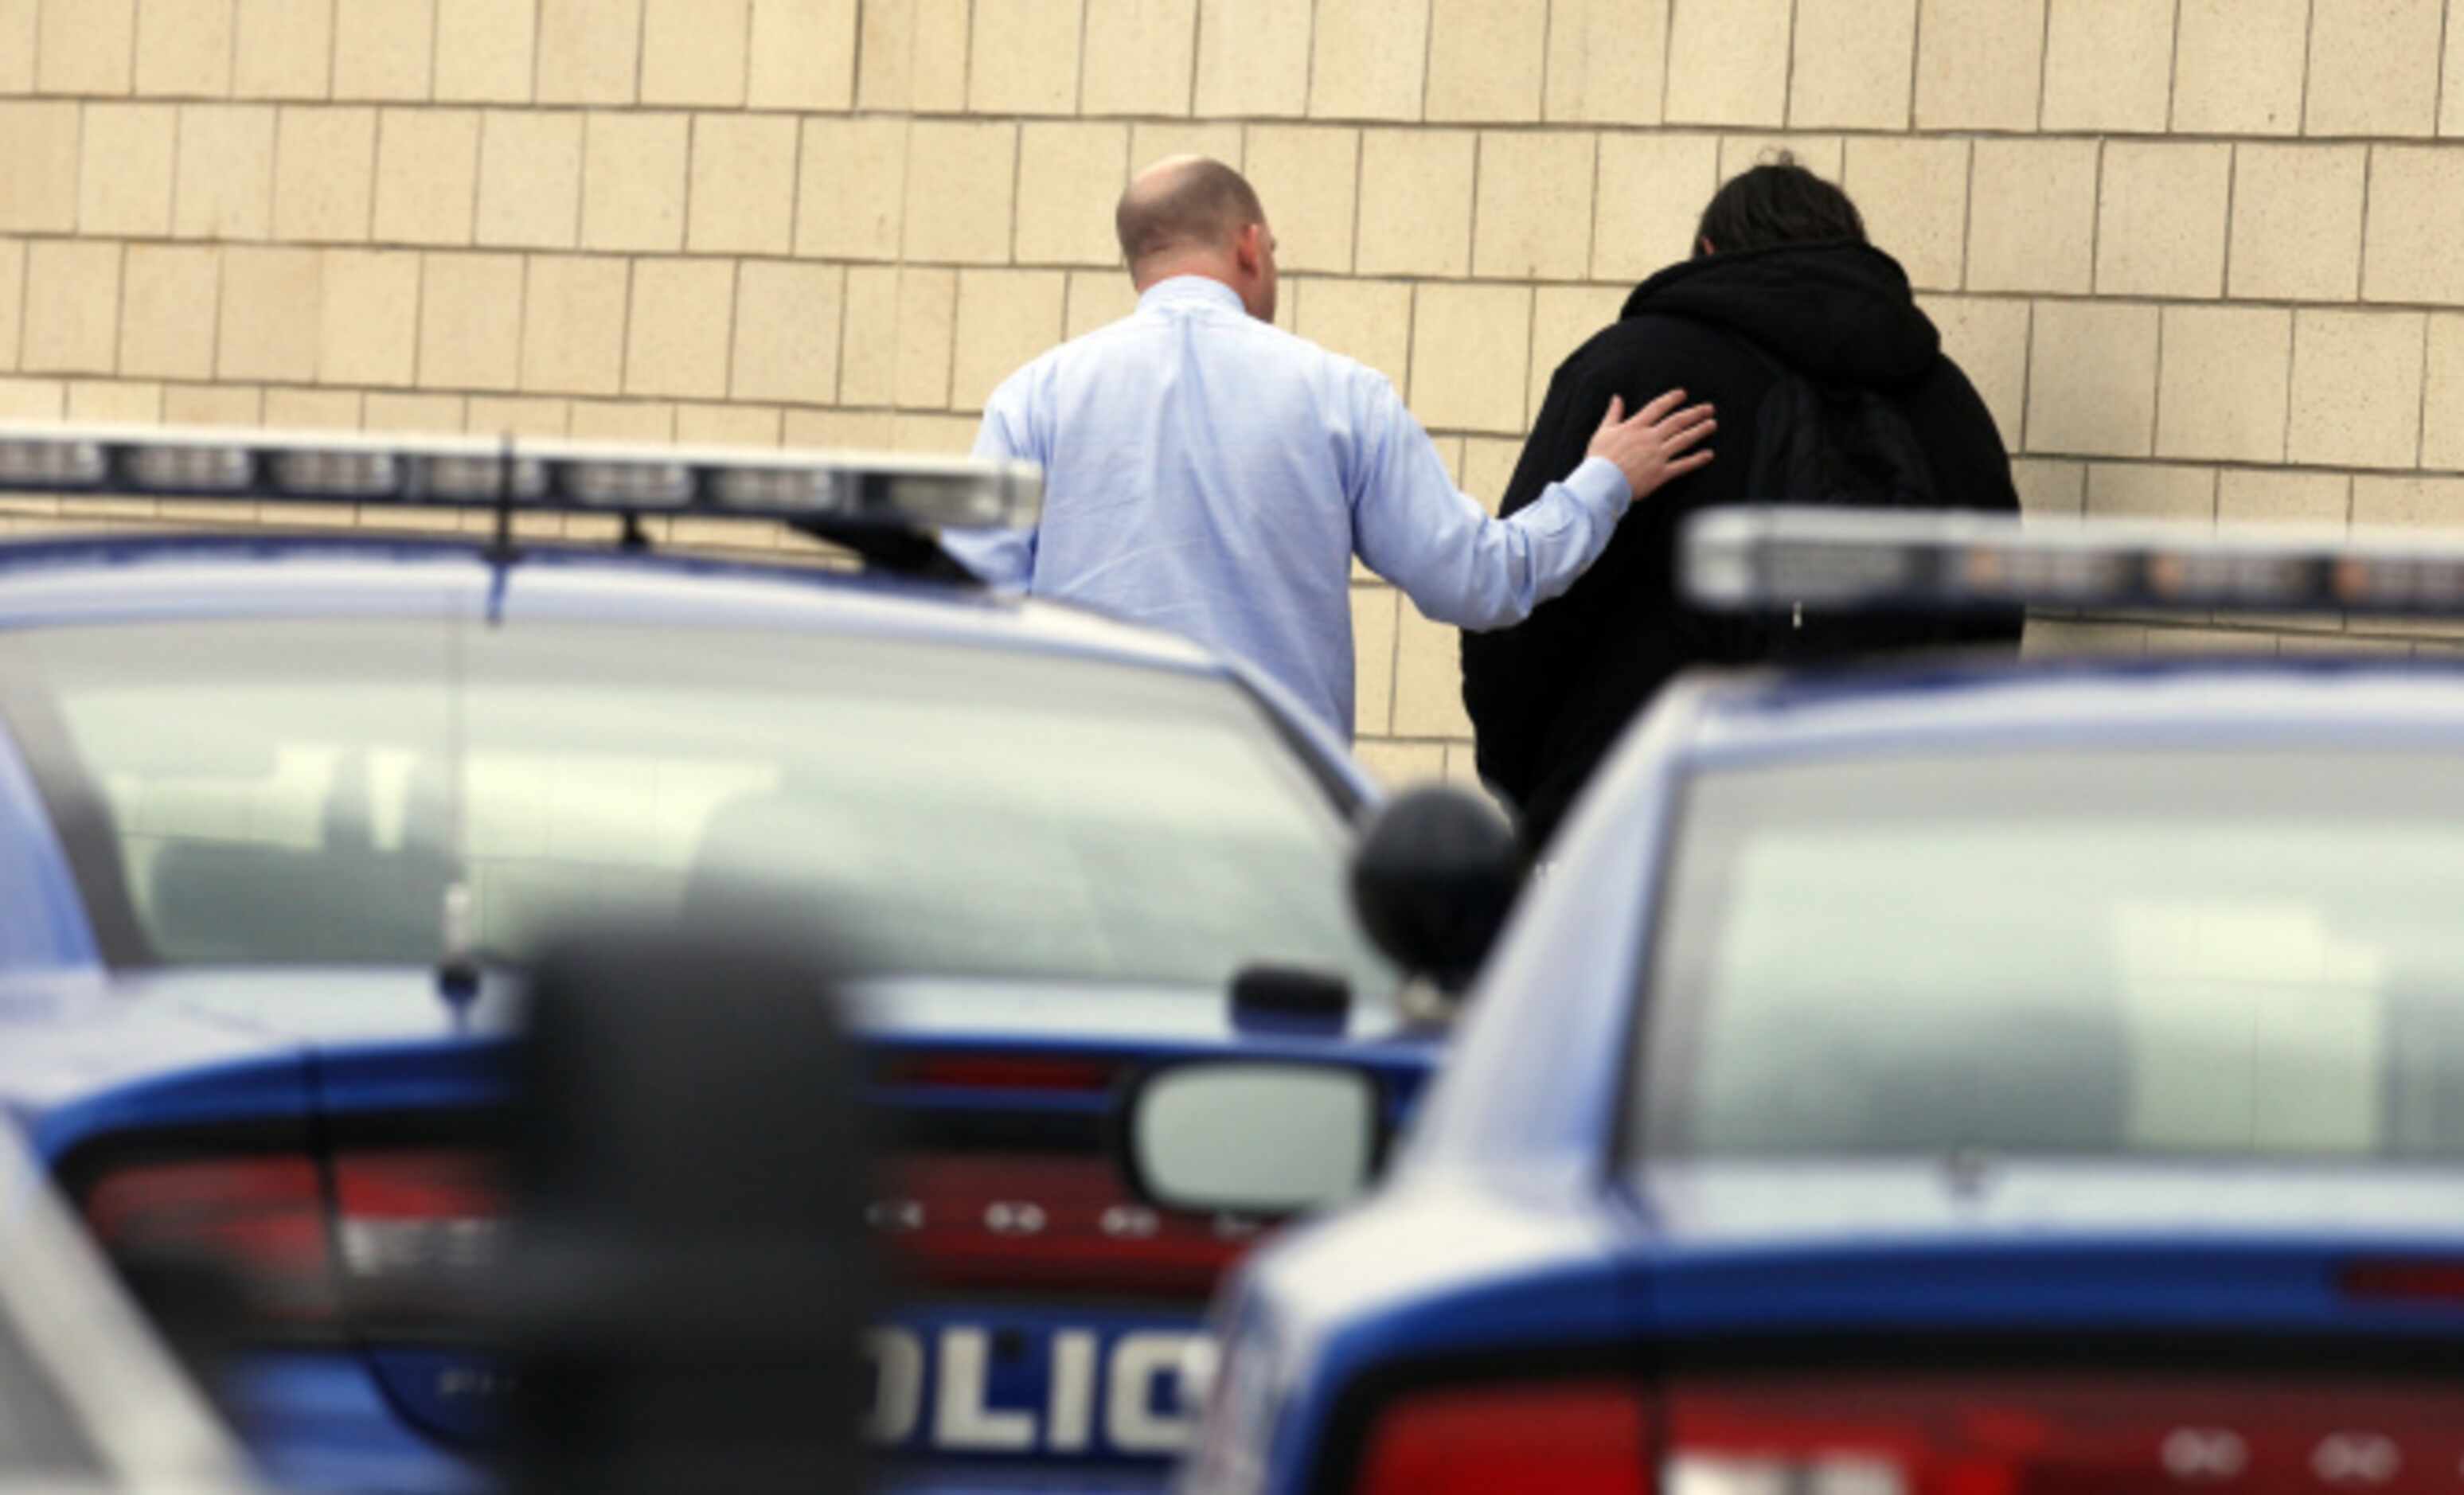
(1783, 280)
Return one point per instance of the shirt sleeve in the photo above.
(1004, 558)
(1411, 525)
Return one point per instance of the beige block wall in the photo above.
(2201, 257)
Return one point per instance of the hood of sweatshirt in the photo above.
(1837, 312)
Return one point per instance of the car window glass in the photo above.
(2165, 952)
(306, 792)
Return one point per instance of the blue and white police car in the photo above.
(1925, 1079)
(280, 815)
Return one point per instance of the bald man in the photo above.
(1209, 473)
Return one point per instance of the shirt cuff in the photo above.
(1601, 485)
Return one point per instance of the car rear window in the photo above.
(287, 792)
(2256, 955)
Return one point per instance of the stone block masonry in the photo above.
(2199, 256)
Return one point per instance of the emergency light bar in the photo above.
(1779, 556)
(835, 491)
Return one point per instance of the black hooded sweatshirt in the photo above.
(1550, 696)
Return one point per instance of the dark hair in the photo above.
(1778, 202)
(1194, 201)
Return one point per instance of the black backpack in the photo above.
(1822, 443)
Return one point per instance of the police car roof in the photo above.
(126, 579)
(1951, 705)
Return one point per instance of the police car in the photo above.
(1929, 1078)
(280, 817)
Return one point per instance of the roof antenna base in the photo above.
(500, 549)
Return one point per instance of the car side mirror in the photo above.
(1433, 879)
(1243, 1137)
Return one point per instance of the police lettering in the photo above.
(1134, 1383)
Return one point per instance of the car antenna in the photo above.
(502, 549)
(457, 968)
(457, 975)
(502, 554)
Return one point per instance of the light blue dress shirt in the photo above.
(1212, 475)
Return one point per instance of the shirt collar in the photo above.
(1191, 290)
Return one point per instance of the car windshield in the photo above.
(302, 791)
(2250, 954)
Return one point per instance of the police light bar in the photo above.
(1779, 556)
(837, 489)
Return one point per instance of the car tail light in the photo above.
(2112, 1432)
(1589, 1438)
(415, 1214)
(1854, 1433)
(386, 1223)
(2404, 1281)
(263, 1217)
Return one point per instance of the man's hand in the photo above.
(1651, 448)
